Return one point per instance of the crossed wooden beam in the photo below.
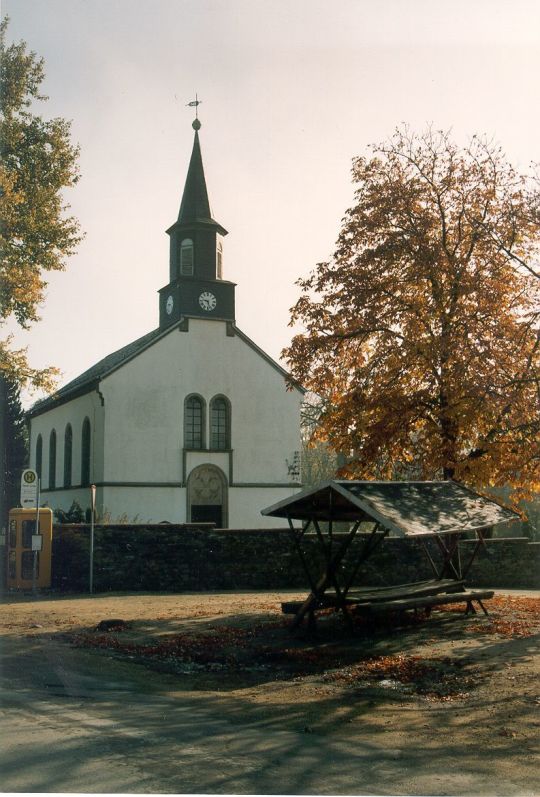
(334, 550)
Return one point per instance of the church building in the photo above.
(192, 422)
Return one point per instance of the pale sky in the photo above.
(291, 91)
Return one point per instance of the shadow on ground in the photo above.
(238, 704)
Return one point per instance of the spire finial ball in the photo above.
(196, 124)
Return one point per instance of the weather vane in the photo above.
(195, 104)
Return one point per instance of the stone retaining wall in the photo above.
(178, 558)
(508, 562)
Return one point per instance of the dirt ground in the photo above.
(449, 687)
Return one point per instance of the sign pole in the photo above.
(34, 563)
(92, 515)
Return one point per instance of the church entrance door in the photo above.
(207, 514)
(207, 496)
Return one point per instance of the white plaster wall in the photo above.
(144, 504)
(73, 412)
(144, 402)
(63, 499)
(245, 505)
(219, 459)
(137, 436)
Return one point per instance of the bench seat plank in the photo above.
(378, 594)
(409, 601)
(428, 601)
(433, 587)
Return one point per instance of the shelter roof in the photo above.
(406, 509)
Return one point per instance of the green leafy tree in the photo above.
(38, 162)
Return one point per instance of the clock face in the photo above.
(207, 301)
(169, 305)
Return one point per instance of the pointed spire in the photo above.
(195, 206)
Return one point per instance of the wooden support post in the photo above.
(458, 557)
(482, 607)
(296, 539)
(470, 608)
(312, 623)
(480, 541)
(448, 551)
(430, 558)
(322, 584)
(370, 545)
(330, 565)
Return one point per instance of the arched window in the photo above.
(220, 424)
(68, 455)
(219, 260)
(85, 453)
(52, 460)
(186, 257)
(39, 455)
(194, 422)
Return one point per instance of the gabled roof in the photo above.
(285, 374)
(89, 380)
(406, 509)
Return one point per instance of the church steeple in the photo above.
(195, 224)
(195, 206)
(196, 286)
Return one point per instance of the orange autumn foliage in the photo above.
(421, 336)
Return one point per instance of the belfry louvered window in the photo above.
(219, 258)
(186, 257)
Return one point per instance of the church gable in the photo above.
(192, 422)
(172, 398)
(89, 379)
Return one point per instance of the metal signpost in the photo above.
(29, 499)
(93, 512)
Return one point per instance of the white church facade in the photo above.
(193, 422)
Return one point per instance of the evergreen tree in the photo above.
(14, 445)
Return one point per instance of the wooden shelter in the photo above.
(441, 511)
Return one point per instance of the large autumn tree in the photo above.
(38, 162)
(422, 333)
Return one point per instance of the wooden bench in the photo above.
(428, 602)
(379, 600)
(378, 594)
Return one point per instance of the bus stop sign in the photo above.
(29, 489)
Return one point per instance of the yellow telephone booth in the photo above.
(24, 546)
